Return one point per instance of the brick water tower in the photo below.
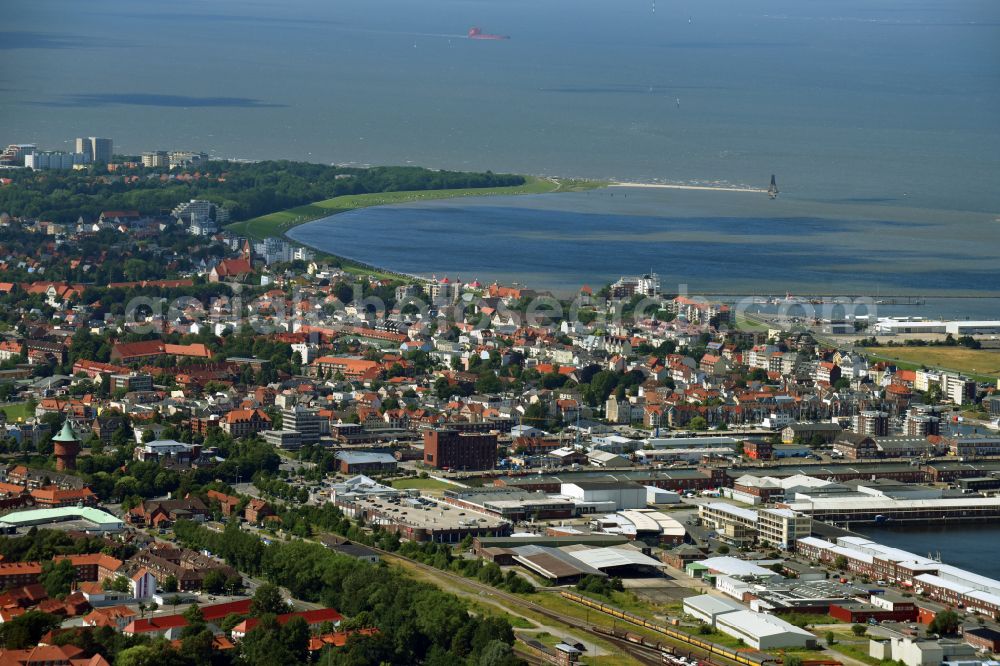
(66, 448)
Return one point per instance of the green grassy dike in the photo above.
(277, 224)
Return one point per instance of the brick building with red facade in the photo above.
(450, 449)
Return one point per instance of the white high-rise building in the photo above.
(95, 148)
(203, 217)
(155, 159)
(43, 161)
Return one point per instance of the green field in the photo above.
(980, 363)
(277, 224)
(421, 484)
(17, 411)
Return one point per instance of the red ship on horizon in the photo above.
(476, 33)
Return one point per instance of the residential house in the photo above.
(257, 511)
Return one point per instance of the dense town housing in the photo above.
(192, 416)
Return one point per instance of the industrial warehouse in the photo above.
(879, 509)
(933, 579)
(758, 630)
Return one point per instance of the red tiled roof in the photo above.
(243, 415)
(311, 617)
(210, 613)
(233, 267)
(337, 639)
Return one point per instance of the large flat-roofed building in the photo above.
(290, 440)
(511, 503)
(731, 443)
(798, 596)
(674, 479)
(365, 462)
(481, 544)
(450, 449)
(623, 494)
(651, 456)
(421, 519)
(876, 508)
(893, 326)
(91, 519)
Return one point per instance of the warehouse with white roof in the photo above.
(763, 632)
(732, 566)
(707, 607)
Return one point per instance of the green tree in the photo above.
(698, 423)
(196, 648)
(490, 630)
(831, 638)
(160, 654)
(268, 599)
(26, 630)
(859, 630)
(170, 584)
(498, 653)
(488, 382)
(57, 577)
(139, 655)
(263, 645)
(945, 623)
(215, 582)
(195, 621)
(194, 615)
(231, 621)
(234, 584)
(295, 638)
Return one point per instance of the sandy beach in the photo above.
(711, 188)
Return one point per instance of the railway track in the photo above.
(637, 652)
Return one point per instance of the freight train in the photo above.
(746, 656)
